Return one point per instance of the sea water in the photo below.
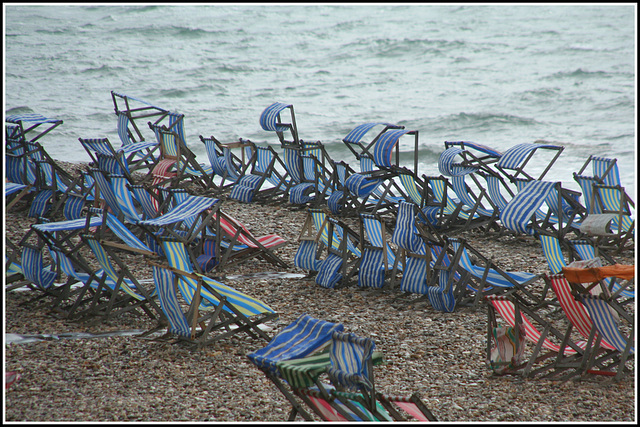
(498, 75)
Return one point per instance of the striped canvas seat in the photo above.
(300, 338)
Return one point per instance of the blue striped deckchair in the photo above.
(130, 109)
(490, 278)
(124, 291)
(472, 155)
(452, 215)
(186, 220)
(208, 295)
(417, 259)
(378, 258)
(108, 159)
(301, 189)
(342, 253)
(354, 137)
(139, 154)
(516, 158)
(262, 170)
(223, 161)
(30, 127)
(600, 312)
(34, 270)
(300, 338)
(306, 256)
(271, 120)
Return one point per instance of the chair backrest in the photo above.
(270, 120)
(351, 361)
(514, 160)
(34, 270)
(166, 290)
(405, 234)
(605, 321)
(518, 213)
(553, 253)
(354, 138)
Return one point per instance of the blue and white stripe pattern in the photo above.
(189, 208)
(300, 338)
(270, 115)
(351, 358)
(305, 257)
(169, 304)
(33, 268)
(517, 214)
(605, 322)
(329, 272)
(383, 148)
(515, 156)
(447, 165)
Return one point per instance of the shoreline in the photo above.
(439, 355)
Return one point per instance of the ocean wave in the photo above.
(104, 70)
(579, 73)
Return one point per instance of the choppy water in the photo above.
(497, 75)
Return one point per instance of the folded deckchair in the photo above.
(515, 159)
(223, 162)
(580, 321)
(185, 167)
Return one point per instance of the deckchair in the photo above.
(307, 254)
(379, 263)
(514, 160)
(186, 219)
(580, 320)
(264, 166)
(421, 255)
(418, 192)
(225, 306)
(599, 310)
(491, 279)
(135, 109)
(519, 317)
(240, 244)
(173, 148)
(479, 206)
(223, 161)
(474, 155)
(521, 213)
(352, 365)
(354, 139)
(304, 378)
(302, 337)
(343, 253)
(108, 159)
(126, 291)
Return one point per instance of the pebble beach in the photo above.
(122, 377)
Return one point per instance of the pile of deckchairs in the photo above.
(372, 223)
